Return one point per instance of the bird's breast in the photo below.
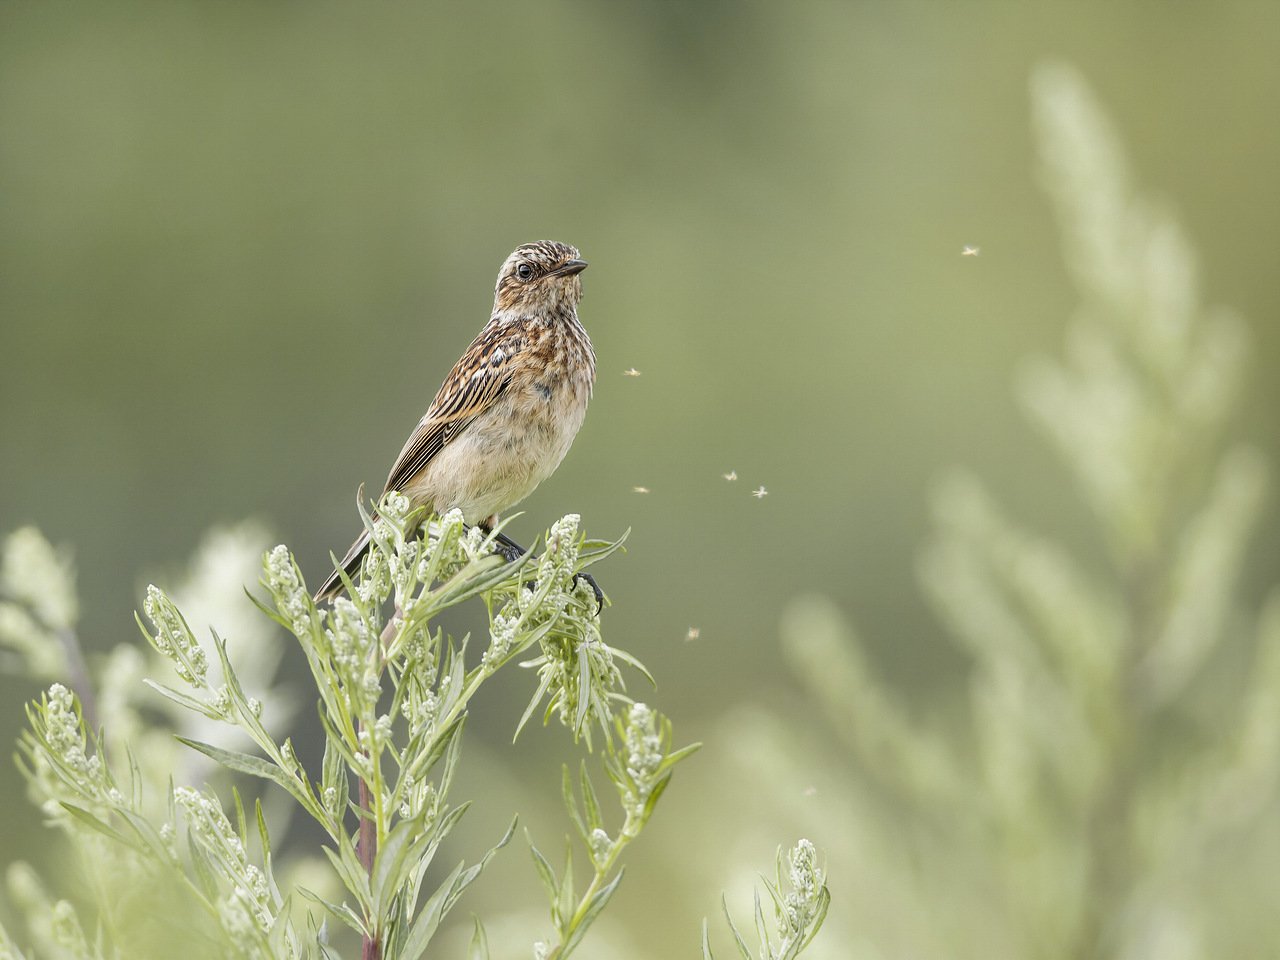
(519, 440)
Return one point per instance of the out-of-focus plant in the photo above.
(39, 613)
(799, 908)
(1122, 730)
(393, 694)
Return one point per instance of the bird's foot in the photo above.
(507, 548)
(595, 588)
(511, 551)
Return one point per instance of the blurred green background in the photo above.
(241, 243)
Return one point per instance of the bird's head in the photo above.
(538, 277)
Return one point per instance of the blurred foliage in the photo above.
(208, 207)
(1122, 728)
(134, 829)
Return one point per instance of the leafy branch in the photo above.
(392, 698)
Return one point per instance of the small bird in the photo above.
(510, 407)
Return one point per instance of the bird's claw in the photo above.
(595, 588)
(511, 551)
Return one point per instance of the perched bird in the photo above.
(510, 407)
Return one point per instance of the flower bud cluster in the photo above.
(642, 755)
(601, 845)
(403, 570)
(420, 708)
(502, 638)
(644, 747)
(352, 649)
(559, 561)
(250, 900)
(174, 639)
(63, 729)
(375, 577)
(442, 549)
(807, 880)
(394, 508)
(284, 582)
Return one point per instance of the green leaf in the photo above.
(264, 839)
(652, 800)
(91, 820)
(733, 928)
(353, 871)
(671, 759)
(824, 902)
(566, 898)
(762, 931)
(280, 936)
(393, 862)
(469, 875)
(333, 772)
(593, 551)
(452, 751)
(339, 910)
(242, 825)
(183, 700)
(594, 906)
(628, 658)
(428, 919)
(545, 871)
(590, 803)
(541, 692)
(255, 766)
(333, 735)
(248, 720)
(206, 877)
(779, 902)
(479, 948)
(475, 578)
(571, 804)
(585, 690)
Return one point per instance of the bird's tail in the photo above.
(350, 564)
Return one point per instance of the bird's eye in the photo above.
(525, 272)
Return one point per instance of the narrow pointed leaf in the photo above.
(741, 944)
(479, 947)
(598, 902)
(546, 874)
(183, 700)
(256, 766)
(590, 802)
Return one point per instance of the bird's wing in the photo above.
(476, 381)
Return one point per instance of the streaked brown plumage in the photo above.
(510, 407)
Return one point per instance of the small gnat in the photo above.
(731, 476)
(639, 489)
(760, 492)
(810, 791)
(692, 634)
(631, 372)
(969, 251)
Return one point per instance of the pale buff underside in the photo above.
(503, 454)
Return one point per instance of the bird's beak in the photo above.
(569, 269)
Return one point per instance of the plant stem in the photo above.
(371, 814)
(601, 871)
(367, 850)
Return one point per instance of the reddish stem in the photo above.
(366, 850)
